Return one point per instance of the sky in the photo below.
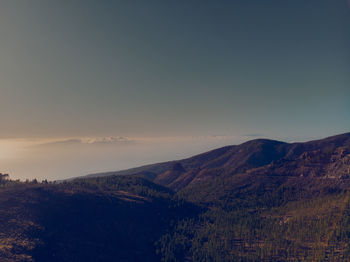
(150, 81)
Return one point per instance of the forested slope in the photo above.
(263, 200)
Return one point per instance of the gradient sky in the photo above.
(272, 68)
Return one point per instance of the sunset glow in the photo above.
(89, 86)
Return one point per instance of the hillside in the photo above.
(325, 158)
(263, 200)
(116, 219)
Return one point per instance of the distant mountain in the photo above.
(325, 158)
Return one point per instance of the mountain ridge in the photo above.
(319, 157)
(263, 200)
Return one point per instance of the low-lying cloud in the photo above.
(60, 158)
(88, 141)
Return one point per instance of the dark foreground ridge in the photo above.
(263, 200)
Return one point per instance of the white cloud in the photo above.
(59, 158)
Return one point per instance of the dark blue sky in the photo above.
(158, 68)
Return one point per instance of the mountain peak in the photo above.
(328, 157)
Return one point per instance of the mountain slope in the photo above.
(263, 200)
(103, 219)
(329, 157)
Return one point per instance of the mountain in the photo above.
(103, 219)
(320, 158)
(263, 200)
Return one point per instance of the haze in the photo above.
(89, 86)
